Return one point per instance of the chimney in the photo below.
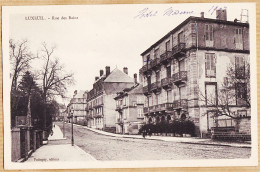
(221, 14)
(101, 72)
(202, 15)
(96, 78)
(125, 69)
(135, 78)
(75, 93)
(107, 70)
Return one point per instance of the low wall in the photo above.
(244, 125)
(16, 146)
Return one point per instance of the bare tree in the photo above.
(20, 57)
(54, 77)
(234, 90)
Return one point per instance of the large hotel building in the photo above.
(189, 64)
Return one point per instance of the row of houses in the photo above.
(184, 76)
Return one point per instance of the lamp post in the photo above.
(72, 138)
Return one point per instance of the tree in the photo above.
(54, 78)
(234, 90)
(20, 57)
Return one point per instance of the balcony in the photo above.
(179, 78)
(165, 57)
(166, 83)
(98, 105)
(180, 104)
(119, 108)
(156, 86)
(146, 69)
(178, 50)
(146, 90)
(155, 63)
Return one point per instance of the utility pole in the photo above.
(72, 138)
(63, 125)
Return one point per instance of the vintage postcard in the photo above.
(129, 86)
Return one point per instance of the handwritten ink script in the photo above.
(148, 13)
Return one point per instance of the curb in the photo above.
(198, 143)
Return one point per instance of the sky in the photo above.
(103, 35)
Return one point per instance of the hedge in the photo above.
(176, 127)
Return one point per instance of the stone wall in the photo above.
(244, 125)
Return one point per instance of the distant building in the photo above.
(190, 62)
(101, 105)
(129, 107)
(78, 105)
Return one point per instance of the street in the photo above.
(104, 147)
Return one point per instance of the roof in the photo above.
(136, 89)
(118, 76)
(192, 18)
(79, 94)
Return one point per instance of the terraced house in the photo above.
(77, 106)
(101, 105)
(185, 75)
(129, 105)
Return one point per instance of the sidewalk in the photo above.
(61, 151)
(187, 140)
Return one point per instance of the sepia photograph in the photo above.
(129, 86)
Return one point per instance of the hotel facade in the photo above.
(183, 74)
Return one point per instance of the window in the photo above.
(240, 67)
(209, 32)
(182, 65)
(158, 76)
(168, 48)
(169, 96)
(210, 65)
(238, 40)
(211, 119)
(181, 38)
(156, 99)
(209, 35)
(156, 53)
(168, 70)
(241, 93)
(211, 93)
(140, 112)
(139, 100)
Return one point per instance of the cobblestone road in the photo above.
(111, 148)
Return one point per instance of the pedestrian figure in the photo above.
(144, 133)
(54, 125)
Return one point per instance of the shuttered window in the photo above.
(168, 48)
(210, 65)
(240, 67)
(209, 32)
(238, 39)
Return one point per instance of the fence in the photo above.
(24, 141)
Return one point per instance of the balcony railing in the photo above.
(166, 55)
(156, 86)
(166, 82)
(178, 49)
(146, 90)
(155, 62)
(119, 108)
(180, 104)
(179, 77)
